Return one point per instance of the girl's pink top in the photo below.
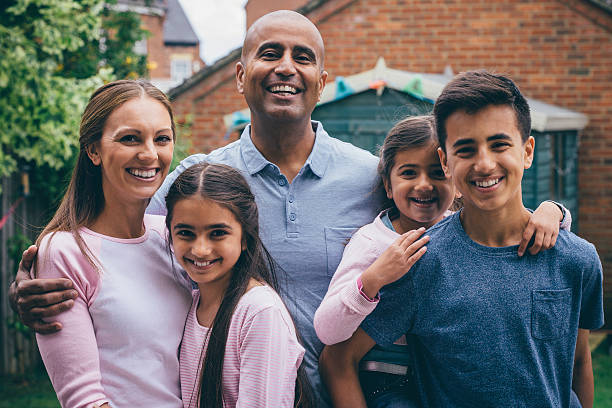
(120, 341)
(262, 353)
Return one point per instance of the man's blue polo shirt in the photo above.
(304, 224)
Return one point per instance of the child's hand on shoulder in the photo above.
(542, 229)
(394, 262)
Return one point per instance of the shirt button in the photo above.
(281, 181)
(290, 198)
(292, 217)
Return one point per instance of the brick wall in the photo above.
(159, 54)
(559, 52)
(257, 8)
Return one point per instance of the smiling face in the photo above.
(486, 157)
(281, 70)
(207, 240)
(420, 190)
(135, 150)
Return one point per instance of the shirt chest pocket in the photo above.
(550, 313)
(335, 241)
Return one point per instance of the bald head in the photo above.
(301, 24)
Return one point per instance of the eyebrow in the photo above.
(134, 130)
(497, 136)
(296, 49)
(209, 227)
(407, 165)
(306, 50)
(270, 44)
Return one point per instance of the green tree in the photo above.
(50, 62)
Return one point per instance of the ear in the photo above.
(387, 186)
(243, 245)
(442, 156)
(93, 154)
(322, 82)
(240, 77)
(529, 148)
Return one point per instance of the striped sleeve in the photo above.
(269, 358)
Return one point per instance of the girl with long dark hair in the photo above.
(240, 347)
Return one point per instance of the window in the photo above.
(180, 69)
(140, 47)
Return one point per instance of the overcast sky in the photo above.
(220, 25)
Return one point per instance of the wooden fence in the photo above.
(19, 354)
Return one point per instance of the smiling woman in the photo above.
(118, 331)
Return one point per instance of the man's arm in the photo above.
(339, 368)
(543, 228)
(35, 299)
(582, 381)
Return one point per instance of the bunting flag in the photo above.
(342, 88)
(11, 210)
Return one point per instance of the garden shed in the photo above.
(361, 109)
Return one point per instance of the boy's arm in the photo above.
(582, 381)
(543, 227)
(339, 368)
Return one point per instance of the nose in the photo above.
(201, 247)
(484, 161)
(285, 66)
(148, 152)
(423, 183)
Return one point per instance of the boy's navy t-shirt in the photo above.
(490, 328)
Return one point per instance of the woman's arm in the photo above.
(270, 356)
(339, 368)
(71, 355)
(348, 301)
(582, 381)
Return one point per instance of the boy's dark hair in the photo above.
(225, 186)
(475, 90)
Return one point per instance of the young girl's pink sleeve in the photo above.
(71, 355)
(270, 356)
(344, 307)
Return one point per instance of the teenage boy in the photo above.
(489, 328)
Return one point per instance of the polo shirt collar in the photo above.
(317, 161)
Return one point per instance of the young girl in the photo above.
(240, 346)
(419, 196)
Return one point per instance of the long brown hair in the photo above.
(227, 187)
(84, 198)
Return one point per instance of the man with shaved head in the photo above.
(312, 191)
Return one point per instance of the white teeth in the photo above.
(200, 264)
(487, 183)
(283, 88)
(423, 200)
(142, 173)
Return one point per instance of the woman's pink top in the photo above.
(262, 353)
(120, 341)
